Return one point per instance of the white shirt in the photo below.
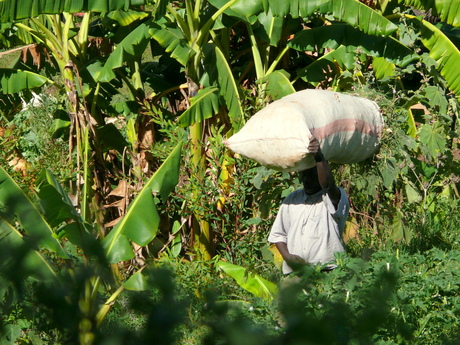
(310, 226)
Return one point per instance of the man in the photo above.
(310, 222)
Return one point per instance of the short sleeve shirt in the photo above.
(310, 226)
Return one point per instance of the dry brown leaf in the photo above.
(121, 190)
(19, 165)
(113, 222)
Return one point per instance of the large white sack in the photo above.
(347, 127)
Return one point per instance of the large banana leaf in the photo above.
(443, 51)
(241, 9)
(333, 62)
(172, 39)
(13, 81)
(14, 203)
(382, 68)
(31, 261)
(352, 12)
(55, 201)
(203, 106)
(447, 10)
(132, 45)
(332, 36)
(278, 84)
(140, 224)
(359, 15)
(229, 89)
(253, 283)
(19, 9)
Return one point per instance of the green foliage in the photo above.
(125, 107)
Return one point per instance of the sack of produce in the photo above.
(347, 127)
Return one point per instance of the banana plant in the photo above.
(140, 223)
(11, 10)
(185, 34)
(54, 221)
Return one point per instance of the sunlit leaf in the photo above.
(202, 106)
(242, 9)
(436, 98)
(229, 89)
(411, 127)
(352, 12)
(382, 68)
(273, 27)
(443, 50)
(13, 81)
(125, 18)
(399, 232)
(137, 282)
(20, 9)
(447, 10)
(173, 41)
(278, 84)
(333, 36)
(253, 283)
(432, 137)
(413, 196)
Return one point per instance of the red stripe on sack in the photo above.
(346, 125)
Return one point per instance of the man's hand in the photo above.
(294, 261)
(315, 149)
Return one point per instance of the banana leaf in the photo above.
(333, 36)
(203, 106)
(382, 68)
(15, 204)
(11, 10)
(172, 39)
(352, 12)
(241, 9)
(54, 201)
(333, 62)
(132, 45)
(13, 81)
(125, 18)
(219, 73)
(253, 283)
(140, 224)
(443, 51)
(278, 84)
(31, 262)
(447, 10)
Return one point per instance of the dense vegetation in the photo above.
(125, 220)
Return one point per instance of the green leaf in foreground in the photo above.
(253, 283)
(15, 203)
(32, 262)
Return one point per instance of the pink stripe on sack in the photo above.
(346, 125)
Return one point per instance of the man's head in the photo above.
(310, 180)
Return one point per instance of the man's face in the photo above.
(310, 181)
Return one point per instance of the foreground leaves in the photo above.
(16, 205)
(253, 283)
